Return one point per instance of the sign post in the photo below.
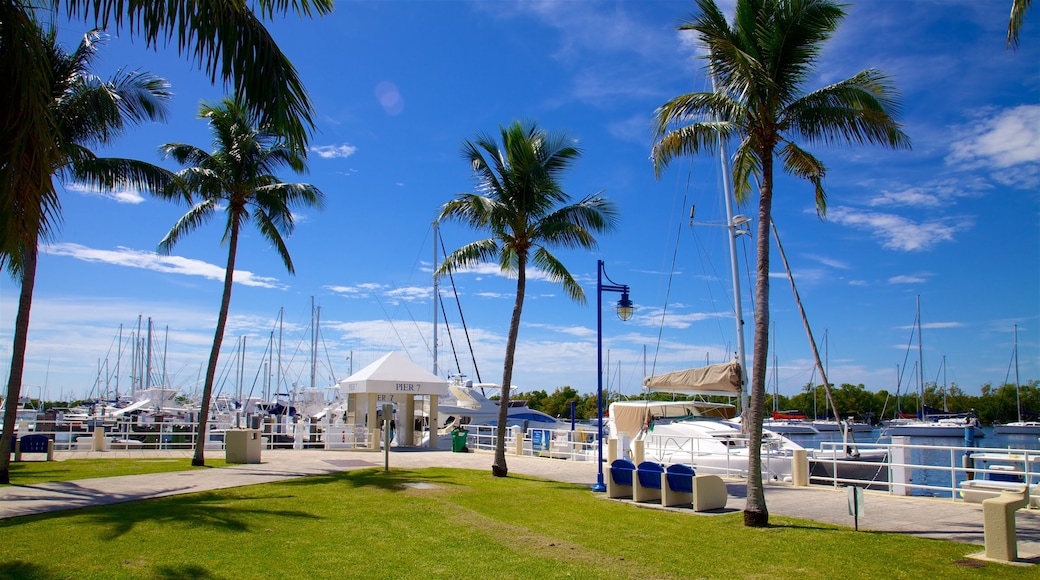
(856, 503)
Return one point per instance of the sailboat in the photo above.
(1018, 427)
(933, 424)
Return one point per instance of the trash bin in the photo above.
(458, 440)
(242, 445)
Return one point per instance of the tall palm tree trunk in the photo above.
(499, 468)
(199, 458)
(755, 512)
(14, 383)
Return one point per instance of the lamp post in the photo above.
(624, 310)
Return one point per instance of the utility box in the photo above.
(242, 445)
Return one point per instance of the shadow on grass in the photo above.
(22, 570)
(187, 572)
(393, 480)
(212, 509)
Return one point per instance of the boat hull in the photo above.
(932, 431)
(1024, 428)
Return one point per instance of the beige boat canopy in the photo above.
(713, 380)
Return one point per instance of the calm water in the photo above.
(990, 440)
(934, 457)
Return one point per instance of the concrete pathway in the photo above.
(926, 517)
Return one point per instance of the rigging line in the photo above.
(392, 326)
(702, 253)
(462, 317)
(451, 340)
(328, 358)
(808, 331)
(415, 323)
(909, 345)
(671, 275)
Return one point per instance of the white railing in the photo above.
(727, 457)
(576, 445)
(927, 470)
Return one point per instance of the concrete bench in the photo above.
(998, 520)
(619, 479)
(677, 487)
(648, 480)
(34, 444)
(682, 487)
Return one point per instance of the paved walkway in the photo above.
(926, 517)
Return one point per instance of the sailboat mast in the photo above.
(1018, 389)
(119, 356)
(314, 344)
(436, 294)
(731, 227)
(148, 360)
(920, 359)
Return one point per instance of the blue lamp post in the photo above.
(624, 310)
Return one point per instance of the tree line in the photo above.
(993, 404)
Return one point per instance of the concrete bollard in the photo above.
(800, 468)
(899, 457)
(637, 451)
(612, 445)
(998, 523)
(98, 443)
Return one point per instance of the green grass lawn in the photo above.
(33, 472)
(455, 524)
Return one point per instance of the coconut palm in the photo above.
(522, 206)
(1018, 14)
(760, 65)
(238, 178)
(225, 38)
(84, 112)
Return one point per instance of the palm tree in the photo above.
(759, 66)
(227, 39)
(1018, 14)
(521, 205)
(238, 177)
(84, 111)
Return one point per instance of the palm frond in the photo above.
(1018, 14)
(554, 270)
(110, 173)
(228, 41)
(469, 255)
(272, 230)
(747, 168)
(861, 109)
(801, 163)
(189, 222)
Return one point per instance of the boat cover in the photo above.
(720, 379)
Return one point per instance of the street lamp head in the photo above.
(625, 308)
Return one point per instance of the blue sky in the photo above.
(397, 87)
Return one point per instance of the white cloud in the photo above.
(914, 197)
(333, 151)
(831, 262)
(364, 290)
(580, 331)
(488, 269)
(117, 195)
(897, 232)
(1005, 142)
(411, 293)
(904, 279)
(656, 317)
(157, 263)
